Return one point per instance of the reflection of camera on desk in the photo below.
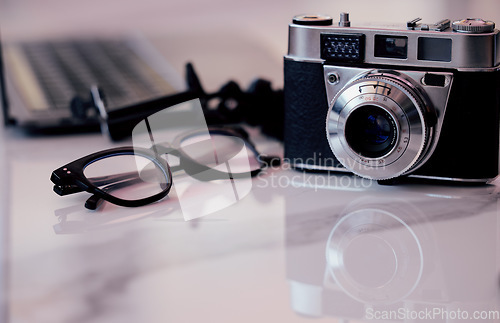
(384, 103)
(389, 255)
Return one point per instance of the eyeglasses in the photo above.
(136, 176)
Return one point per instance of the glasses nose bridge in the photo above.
(165, 148)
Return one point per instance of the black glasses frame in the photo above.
(203, 172)
(70, 178)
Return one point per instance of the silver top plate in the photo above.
(469, 52)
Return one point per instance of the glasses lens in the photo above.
(127, 176)
(219, 173)
(210, 172)
(199, 144)
(228, 154)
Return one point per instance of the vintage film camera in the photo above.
(383, 103)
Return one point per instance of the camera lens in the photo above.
(378, 127)
(370, 131)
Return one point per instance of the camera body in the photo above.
(421, 101)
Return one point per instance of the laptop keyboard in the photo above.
(64, 69)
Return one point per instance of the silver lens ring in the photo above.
(377, 126)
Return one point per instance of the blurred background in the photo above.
(213, 33)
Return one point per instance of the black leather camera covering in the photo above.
(306, 109)
(469, 143)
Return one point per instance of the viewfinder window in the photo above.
(391, 46)
(434, 49)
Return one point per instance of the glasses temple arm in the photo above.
(67, 189)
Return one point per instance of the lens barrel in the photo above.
(378, 127)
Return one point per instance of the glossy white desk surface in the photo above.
(284, 253)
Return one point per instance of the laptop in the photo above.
(45, 85)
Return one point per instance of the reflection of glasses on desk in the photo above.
(133, 176)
